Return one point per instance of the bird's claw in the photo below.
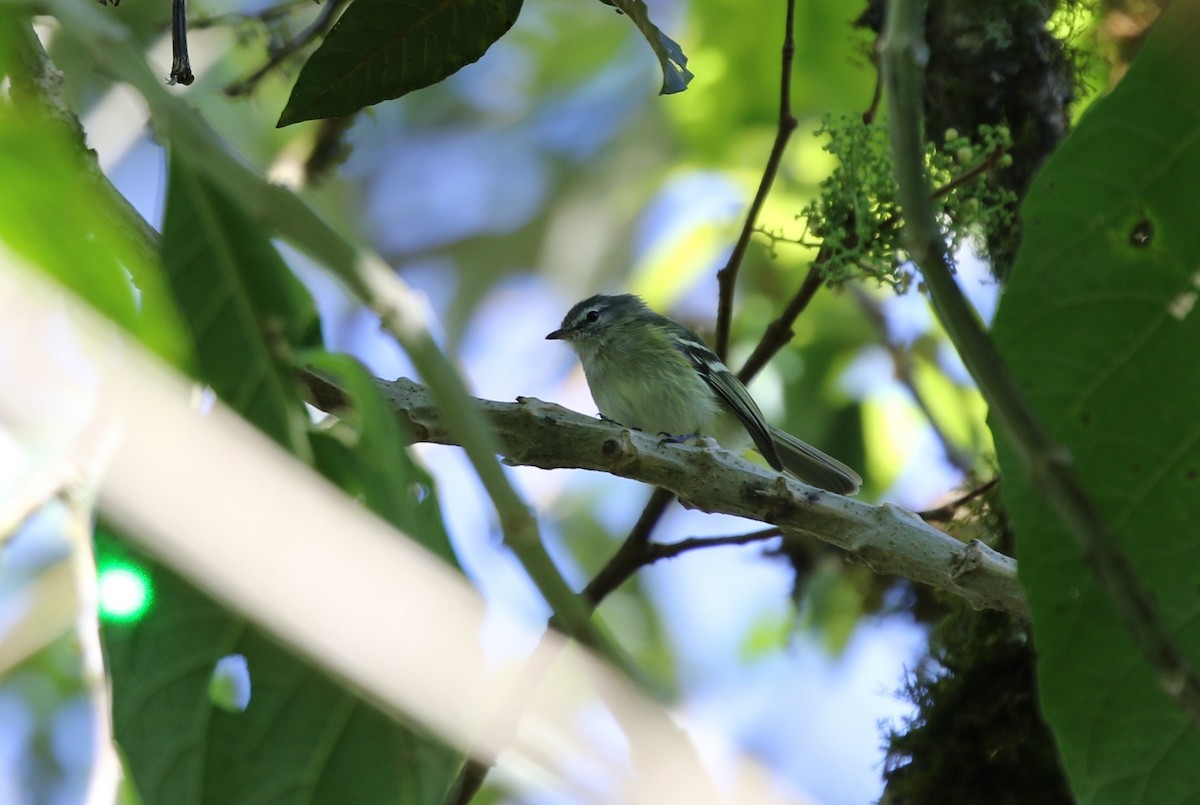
(670, 438)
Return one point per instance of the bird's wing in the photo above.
(734, 394)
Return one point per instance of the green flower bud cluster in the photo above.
(856, 221)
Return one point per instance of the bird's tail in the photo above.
(812, 466)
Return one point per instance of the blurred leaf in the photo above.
(833, 604)
(53, 213)
(767, 636)
(383, 49)
(676, 75)
(731, 111)
(245, 308)
(567, 50)
(375, 465)
(1099, 327)
(303, 737)
(957, 409)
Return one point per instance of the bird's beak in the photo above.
(559, 335)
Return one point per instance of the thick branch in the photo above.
(904, 53)
(888, 539)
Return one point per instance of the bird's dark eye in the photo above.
(592, 315)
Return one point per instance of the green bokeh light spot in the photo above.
(125, 592)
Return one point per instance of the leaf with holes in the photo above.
(302, 738)
(383, 49)
(1100, 326)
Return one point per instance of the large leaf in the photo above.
(245, 308)
(303, 737)
(367, 455)
(1099, 326)
(382, 49)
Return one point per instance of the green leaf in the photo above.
(244, 307)
(676, 75)
(54, 214)
(303, 737)
(383, 49)
(366, 454)
(1099, 326)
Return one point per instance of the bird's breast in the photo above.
(676, 402)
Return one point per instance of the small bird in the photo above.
(652, 373)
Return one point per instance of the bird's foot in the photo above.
(671, 438)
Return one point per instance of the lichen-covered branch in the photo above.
(887, 538)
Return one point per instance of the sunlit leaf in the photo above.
(54, 214)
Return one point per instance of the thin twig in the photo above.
(181, 65)
(268, 14)
(727, 276)
(904, 53)
(868, 116)
(628, 561)
(946, 513)
(779, 332)
(287, 50)
(987, 165)
(640, 533)
(502, 724)
(670, 550)
(633, 551)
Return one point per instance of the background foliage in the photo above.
(551, 168)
